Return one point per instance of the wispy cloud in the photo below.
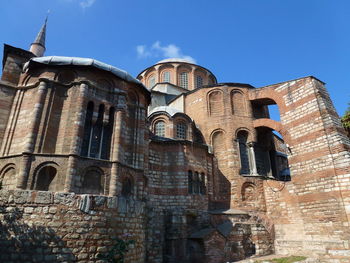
(86, 3)
(166, 51)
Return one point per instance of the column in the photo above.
(78, 126)
(116, 150)
(31, 136)
(192, 75)
(252, 159)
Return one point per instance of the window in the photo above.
(242, 138)
(202, 184)
(199, 82)
(190, 182)
(166, 76)
(181, 130)
(151, 82)
(97, 136)
(159, 128)
(184, 80)
(196, 183)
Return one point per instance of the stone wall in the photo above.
(63, 227)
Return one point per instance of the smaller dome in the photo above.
(175, 60)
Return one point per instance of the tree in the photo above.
(346, 121)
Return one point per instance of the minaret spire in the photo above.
(38, 46)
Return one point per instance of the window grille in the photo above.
(181, 130)
(184, 80)
(159, 129)
(166, 76)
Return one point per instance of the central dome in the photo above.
(175, 60)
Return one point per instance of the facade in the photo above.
(189, 167)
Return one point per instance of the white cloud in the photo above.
(142, 51)
(86, 3)
(167, 51)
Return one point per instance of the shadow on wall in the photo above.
(23, 242)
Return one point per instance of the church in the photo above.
(190, 168)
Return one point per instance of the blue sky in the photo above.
(259, 42)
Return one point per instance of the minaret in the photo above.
(38, 46)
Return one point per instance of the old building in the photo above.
(188, 166)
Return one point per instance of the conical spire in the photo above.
(38, 46)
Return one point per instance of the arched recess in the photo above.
(248, 192)
(127, 186)
(8, 177)
(238, 103)
(272, 148)
(215, 103)
(46, 177)
(218, 142)
(93, 181)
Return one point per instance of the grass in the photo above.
(290, 259)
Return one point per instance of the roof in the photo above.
(202, 233)
(176, 60)
(171, 111)
(225, 228)
(76, 61)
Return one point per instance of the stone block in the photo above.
(43, 197)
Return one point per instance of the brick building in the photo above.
(190, 167)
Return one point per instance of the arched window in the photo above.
(181, 131)
(183, 80)
(159, 128)
(166, 76)
(151, 81)
(45, 179)
(190, 182)
(127, 187)
(97, 137)
(238, 103)
(216, 103)
(92, 182)
(199, 81)
(242, 138)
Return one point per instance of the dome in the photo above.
(176, 60)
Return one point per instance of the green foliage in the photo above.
(118, 250)
(290, 259)
(346, 118)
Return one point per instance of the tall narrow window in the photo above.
(202, 185)
(96, 136)
(184, 80)
(87, 129)
(242, 138)
(190, 182)
(196, 184)
(181, 131)
(166, 76)
(159, 128)
(199, 82)
(151, 81)
(107, 135)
